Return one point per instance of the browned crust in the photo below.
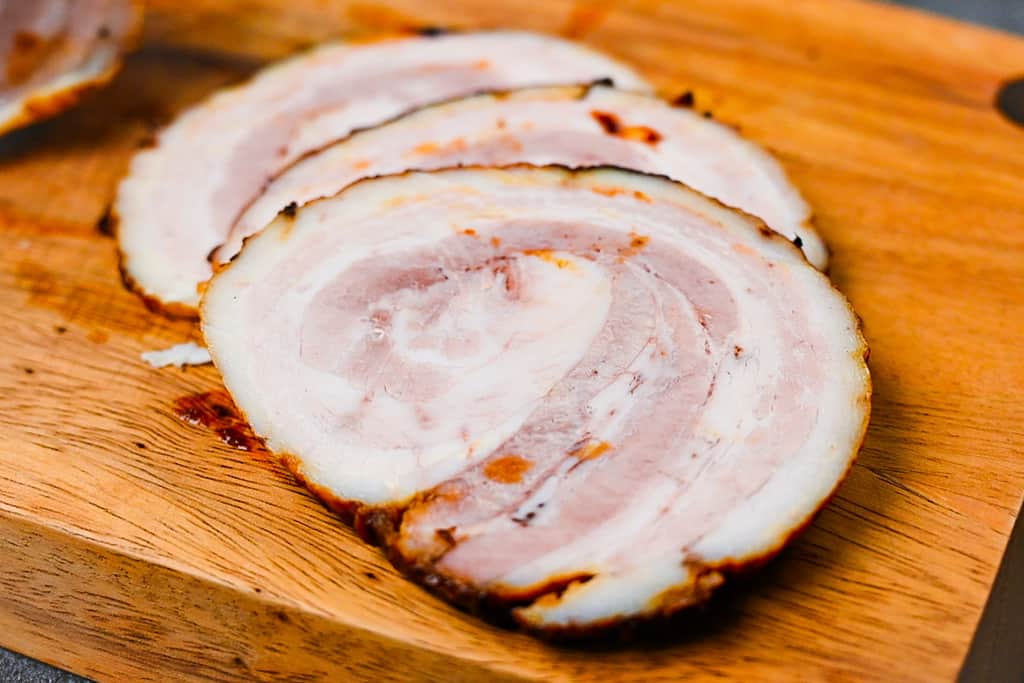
(582, 90)
(578, 91)
(46, 106)
(171, 310)
(185, 311)
(381, 525)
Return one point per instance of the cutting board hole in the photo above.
(1010, 100)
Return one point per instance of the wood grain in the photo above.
(135, 547)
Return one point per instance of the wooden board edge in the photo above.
(102, 613)
(995, 650)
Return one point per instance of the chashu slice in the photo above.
(572, 126)
(53, 51)
(182, 195)
(581, 397)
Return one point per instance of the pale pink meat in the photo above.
(182, 196)
(574, 126)
(580, 396)
(51, 51)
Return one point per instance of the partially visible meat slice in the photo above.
(573, 126)
(53, 51)
(179, 355)
(583, 397)
(182, 196)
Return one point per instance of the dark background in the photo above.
(1005, 14)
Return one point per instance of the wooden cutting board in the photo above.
(136, 547)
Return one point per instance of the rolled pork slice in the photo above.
(573, 126)
(182, 196)
(577, 397)
(53, 51)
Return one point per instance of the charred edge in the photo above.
(447, 536)
(671, 610)
(149, 139)
(377, 525)
(497, 93)
(475, 601)
(684, 100)
(753, 221)
(609, 122)
(432, 31)
(798, 242)
(554, 587)
(176, 311)
(613, 126)
(345, 509)
(380, 524)
(707, 115)
(290, 210)
(107, 224)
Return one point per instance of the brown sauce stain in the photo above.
(549, 256)
(426, 148)
(609, 191)
(508, 469)
(469, 232)
(28, 54)
(495, 242)
(613, 126)
(616, 191)
(741, 248)
(591, 450)
(637, 242)
(216, 410)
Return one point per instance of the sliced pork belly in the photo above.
(52, 51)
(574, 126)
(182, 196)
(583, 397)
